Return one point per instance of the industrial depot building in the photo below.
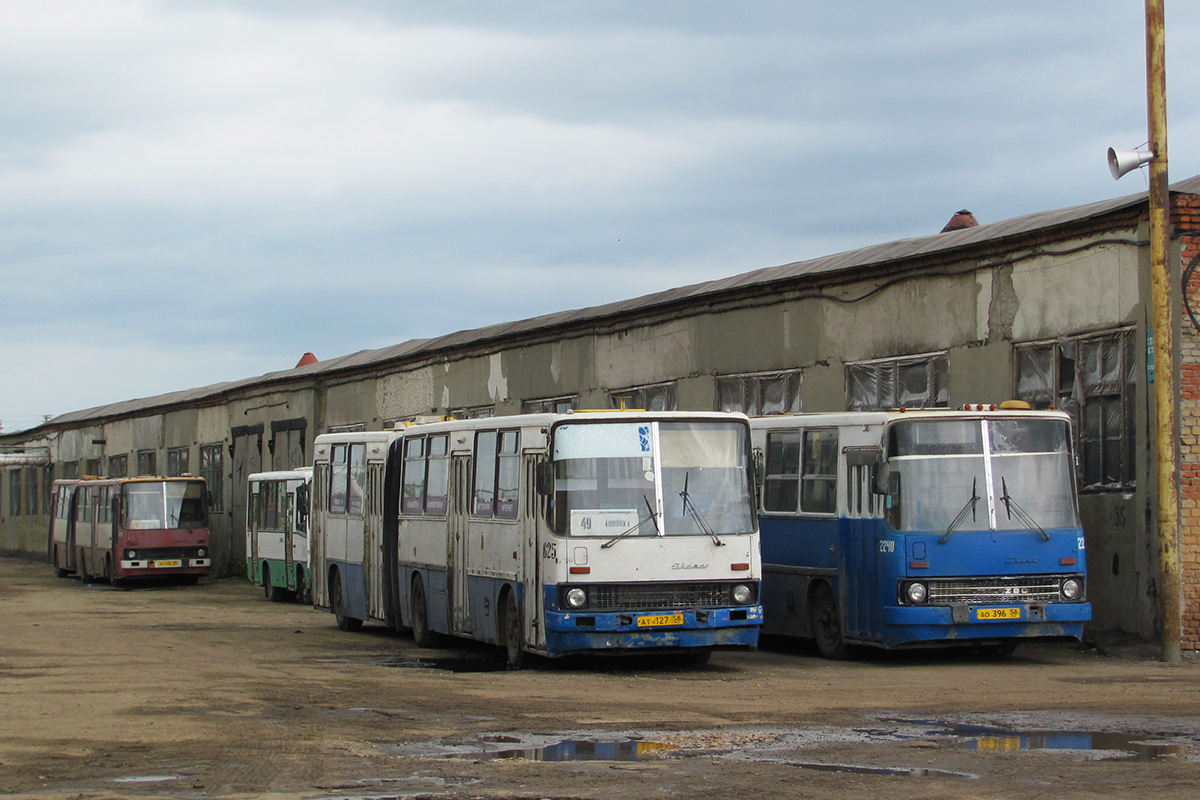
(1053, 308)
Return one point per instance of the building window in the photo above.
(760, 393)
(47, 487)
(354, 427)
(657, 397)
(14, 492)
(212, 459)
(475, 412)
(70, 470)
(908, 382)
(118, 466)
(550, 405)
(177, 461)
(147, 462)
(92, 467)
(31, 491)
(1092, 378)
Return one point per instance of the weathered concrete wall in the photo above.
(975, 315)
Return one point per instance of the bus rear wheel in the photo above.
(514, 637)
(303, 593)
(344, 621)
(827, 623)
(273, 593)
(83, 573)
(423, 635)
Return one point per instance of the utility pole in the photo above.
(1166, 441)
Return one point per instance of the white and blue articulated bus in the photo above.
(919, 528)
(557, 534)
(277, 533)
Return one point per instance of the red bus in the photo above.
(120, 528)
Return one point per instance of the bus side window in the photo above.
(358, 479)
(338, 471)
(781, 480)
(818, 478)
(892, 500)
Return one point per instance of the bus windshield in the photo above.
(941, 470)
(165, 504)
(651, 479)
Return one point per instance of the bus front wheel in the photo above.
(827, 623)
(344, 621)
(84, 577)
(514, 637)
(59, 572)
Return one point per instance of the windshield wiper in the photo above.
(962, 514)
(1013, 507)
(690, 507)
(653, 518)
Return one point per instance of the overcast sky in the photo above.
(193, 192)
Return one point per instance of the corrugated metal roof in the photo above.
(873, 256)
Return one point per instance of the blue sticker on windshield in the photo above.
(644, 437)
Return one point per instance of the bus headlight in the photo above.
(131, 554)
(576, 597)
(916, 593)
(200, 553)
(741, 594)
(1071, 589)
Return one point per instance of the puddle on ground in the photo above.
(588, 750)
(1125, 740)
(1109, 746)
(147, 779)
(456, 663)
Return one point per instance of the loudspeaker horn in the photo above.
(1122, 161)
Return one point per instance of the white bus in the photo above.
(549, 534)
(277, 533)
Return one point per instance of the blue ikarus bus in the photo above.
(920, 528)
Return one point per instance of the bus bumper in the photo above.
(915, 624)
(720, 627)
(149, 565)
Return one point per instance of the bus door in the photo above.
(317, 531)
(862, 610)
(288, 523)
(528, 568)
(72, 522)
(252, 504)
(373, 562)
(456, 557)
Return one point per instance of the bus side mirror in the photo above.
(545, 478)
(759, 470)
(883, 476)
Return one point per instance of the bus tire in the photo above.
(423, 635)
(303, 592)
(83, 573)
(514, 636)
(113, 580)
(827, 623)
(108, 572)
(276, 594)
(697, 657)
(59, 572)
(344, 621)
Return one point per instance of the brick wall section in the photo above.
(1185, 217)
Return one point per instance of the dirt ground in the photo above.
(211, 691)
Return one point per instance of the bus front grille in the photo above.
(637, 596)
(994, 589)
